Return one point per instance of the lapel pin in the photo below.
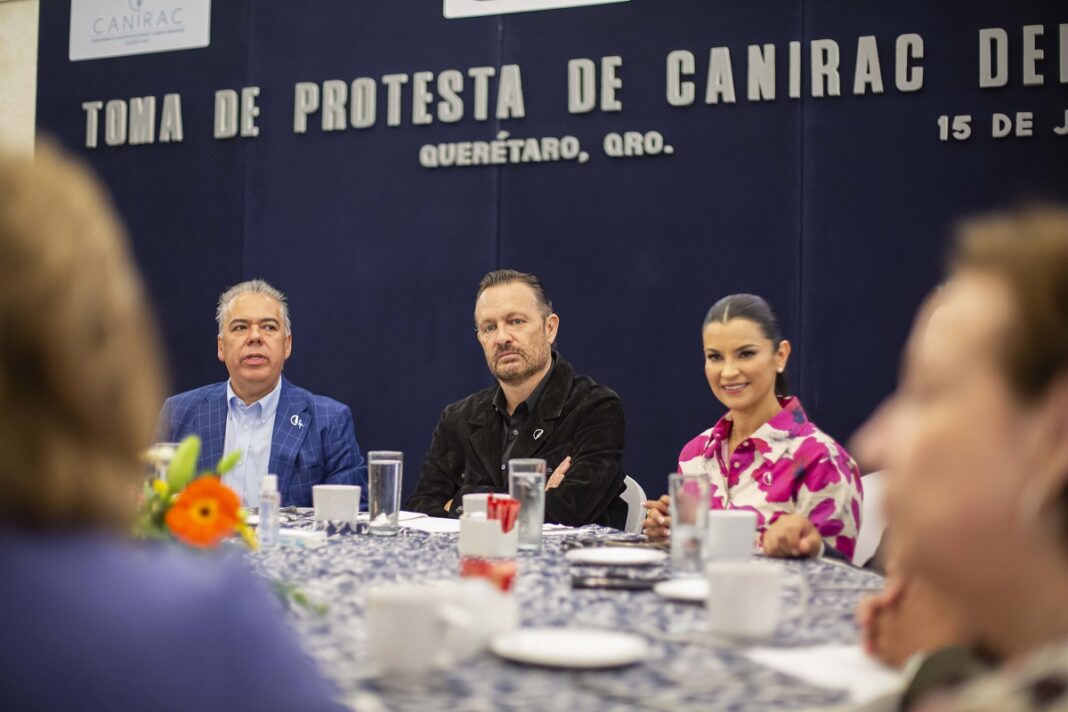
(538, 433)
(295, 420)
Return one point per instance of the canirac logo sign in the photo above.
(114, 28)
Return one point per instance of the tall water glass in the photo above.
(526, 482)
(689, 521)
(384, 472)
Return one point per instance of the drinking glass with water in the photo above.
(689, 519)
(385, 469)
(526, 482)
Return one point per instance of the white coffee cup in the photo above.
(476, 502)
(745, 598)
(414, 629)
(730, 535)
(336, 503)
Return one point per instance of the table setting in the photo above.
(498, 610)
(593, 619)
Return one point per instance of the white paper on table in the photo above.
(402, 516)
(254, 519)
(442, 525)
(433, 525)
(838, 667)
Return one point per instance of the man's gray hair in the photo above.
(252, 286)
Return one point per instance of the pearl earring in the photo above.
(780, 370)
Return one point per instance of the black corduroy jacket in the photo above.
(573, 417)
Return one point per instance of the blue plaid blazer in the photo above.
(314, 441)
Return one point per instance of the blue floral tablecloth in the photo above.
(684, 671)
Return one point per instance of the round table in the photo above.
(684, 670)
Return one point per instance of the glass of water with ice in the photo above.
(526, 482)
(385, 469)
(689, 517)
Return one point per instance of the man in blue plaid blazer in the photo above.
(303, 438)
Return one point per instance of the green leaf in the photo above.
(183, 464)
(290, 595)
(227, 462)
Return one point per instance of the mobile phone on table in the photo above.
(624, 584)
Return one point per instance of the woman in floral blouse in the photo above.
(764, 454)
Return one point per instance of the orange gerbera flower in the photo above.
(204, 513)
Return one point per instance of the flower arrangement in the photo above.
(196, 510)
(200, 511)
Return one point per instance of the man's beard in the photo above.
(529, 366)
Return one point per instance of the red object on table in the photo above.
(499, 572)
(504, 509)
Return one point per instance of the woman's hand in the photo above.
(792, 536)
(657, 522)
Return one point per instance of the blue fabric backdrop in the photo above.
(834, 209)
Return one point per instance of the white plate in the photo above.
(615, 556)
(570, 647)
(690, 590)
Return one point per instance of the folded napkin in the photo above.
(837, 667)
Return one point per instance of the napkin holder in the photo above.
(485, 538)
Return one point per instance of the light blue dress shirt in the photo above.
(248, 430)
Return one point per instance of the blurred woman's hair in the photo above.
(80, 364)
(755, 309)
(1028, 250)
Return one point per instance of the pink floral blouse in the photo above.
(788, 465)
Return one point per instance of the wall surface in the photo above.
(18, 74)
(835, 208)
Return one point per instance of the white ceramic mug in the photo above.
(415, 629)
(336, 503)
(730, 535)
(745, 598)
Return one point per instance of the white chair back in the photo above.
(633, 495)
(872, 519)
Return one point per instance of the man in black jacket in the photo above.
(540, 408)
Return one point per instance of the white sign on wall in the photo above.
(114, 28)
(474, 8)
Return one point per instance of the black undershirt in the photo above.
(512, 425)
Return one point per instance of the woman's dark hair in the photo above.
(754, 309)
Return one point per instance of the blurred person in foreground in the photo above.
(90, 619)
(978, 494)
(910, 624)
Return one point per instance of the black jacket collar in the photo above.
(551, 402)
(486, 441)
